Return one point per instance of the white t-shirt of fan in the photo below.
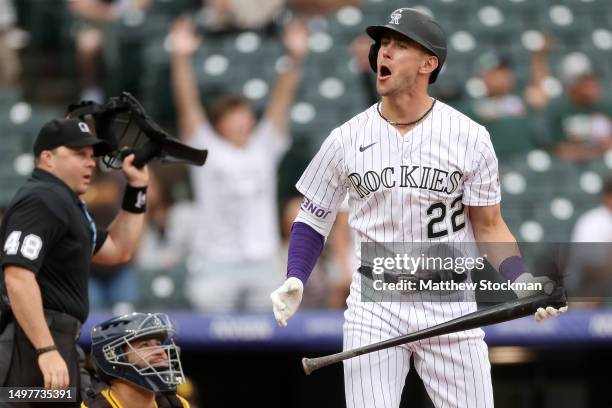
(235, 192)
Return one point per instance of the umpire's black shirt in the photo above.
(45, 229)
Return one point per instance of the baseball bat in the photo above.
(484, 317)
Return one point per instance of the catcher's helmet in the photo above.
(111, 347)
(416, 26)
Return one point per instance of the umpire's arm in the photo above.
(26, 305)
(125, 231)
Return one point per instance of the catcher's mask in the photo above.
(116, 356)
(123, 123)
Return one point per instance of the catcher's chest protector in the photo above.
(97, 400)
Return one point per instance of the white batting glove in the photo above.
(547, 284)
(541, 313)
(286, 300)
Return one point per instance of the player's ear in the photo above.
(429, 64)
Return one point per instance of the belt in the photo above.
(421, 276)
(63, 323)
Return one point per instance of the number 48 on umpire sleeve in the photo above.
(30, 247)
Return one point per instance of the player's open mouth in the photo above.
(384, 72)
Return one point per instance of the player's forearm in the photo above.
(496, 241)
(26, 305)
(305, 247)
(498, 245)
(186, 95)
(341, 242)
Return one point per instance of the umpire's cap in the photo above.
(416, 26)
(69, 133)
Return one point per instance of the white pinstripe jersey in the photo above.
(405, 188)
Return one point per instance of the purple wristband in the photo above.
(305, 246)
(512, 267)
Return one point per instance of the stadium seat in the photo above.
(526, 7)
(588, 6)
(170, 9)
(566, 25)
(163, 288)
(9, 95)
(601, 167)
(494, 24)
(10, 183)
(457, 7)
(555, 229)
(347, 23)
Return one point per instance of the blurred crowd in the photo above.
(217, 235)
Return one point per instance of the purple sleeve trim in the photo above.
(512, 267)
(305, 246)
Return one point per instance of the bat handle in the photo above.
(309, 365)
(313, 364)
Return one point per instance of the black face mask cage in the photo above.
(130, 138)
(124, 124)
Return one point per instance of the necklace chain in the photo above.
(408, 123)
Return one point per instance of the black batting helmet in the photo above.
(416, 26)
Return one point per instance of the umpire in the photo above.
(48, 242)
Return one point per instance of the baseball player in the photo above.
(138, 362)
(415, 170)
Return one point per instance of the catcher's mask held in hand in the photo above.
(124, 124)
